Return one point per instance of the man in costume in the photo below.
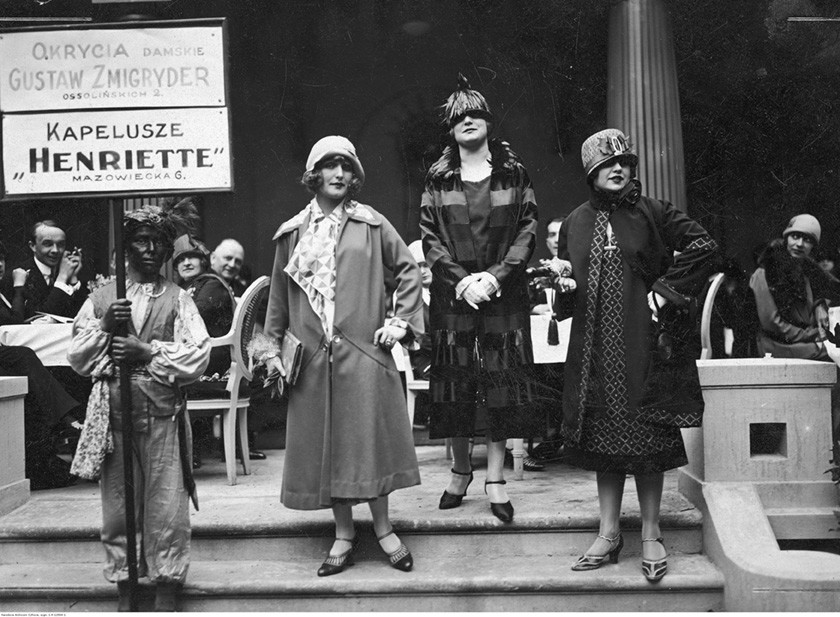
(166, 347)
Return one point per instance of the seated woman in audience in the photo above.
(348, 439)
(791, 292)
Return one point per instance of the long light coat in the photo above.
(347, 434)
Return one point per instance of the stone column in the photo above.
(642, 97)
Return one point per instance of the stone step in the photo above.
(243, 544)
(538, 582)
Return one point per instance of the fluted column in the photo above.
(642, 98)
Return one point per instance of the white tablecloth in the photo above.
(49, 341)
(543, 352)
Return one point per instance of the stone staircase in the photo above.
(251, 554)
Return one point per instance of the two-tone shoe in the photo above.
(655, 569)
(334, 564)
(400, 559)
(593, 562)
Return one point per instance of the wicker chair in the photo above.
(231, 401)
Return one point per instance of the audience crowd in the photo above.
(460, 299)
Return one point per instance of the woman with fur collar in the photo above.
(478, 220)
(790, 293)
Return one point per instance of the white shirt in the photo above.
(46, 272)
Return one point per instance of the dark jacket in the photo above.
(647, 231)
(15, 297)
(215, 303)
(40, 297)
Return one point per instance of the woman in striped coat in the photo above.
(478, 220)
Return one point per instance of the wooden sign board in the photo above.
(115, 109)
(122, 151)
(87, 68)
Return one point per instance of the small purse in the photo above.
(291, 355)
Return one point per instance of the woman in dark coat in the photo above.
(478, 219)
(629, 383)
(792, 294)
(348, 438)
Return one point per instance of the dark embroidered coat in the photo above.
(647, 232)
(496, 337)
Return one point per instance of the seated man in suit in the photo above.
(53, 283)
(46, 405)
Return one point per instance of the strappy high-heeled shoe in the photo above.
(593, 562)
(400, 559)
(654, 570)
(502, 511)
(334, 564)
(448, 500)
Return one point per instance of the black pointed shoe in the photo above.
(448, 500)
(502, 511)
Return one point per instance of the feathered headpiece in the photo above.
(465, 101)
(173, 217)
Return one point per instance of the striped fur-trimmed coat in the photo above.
(495, 338)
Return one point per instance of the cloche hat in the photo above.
(187, 246)
(605, 146)
(804, 224)
(335, 145)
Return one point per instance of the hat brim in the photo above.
(632, 159)
(357, 165)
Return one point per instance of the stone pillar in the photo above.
(642, 97)
(767, 422)
(14, 487)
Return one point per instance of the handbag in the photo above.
(291, 355)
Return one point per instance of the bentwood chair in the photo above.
(230, 398)
(706, 316)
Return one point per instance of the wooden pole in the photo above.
(126, 413)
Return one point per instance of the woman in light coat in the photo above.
(348, 438)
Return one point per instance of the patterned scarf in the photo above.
(604, 299)
(312, 265)
(96, 439)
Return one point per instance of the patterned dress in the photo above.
(608, 402)
(619, 441)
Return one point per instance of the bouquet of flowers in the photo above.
(260, 349)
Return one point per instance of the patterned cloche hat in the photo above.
(465, 101)
(604, 146)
